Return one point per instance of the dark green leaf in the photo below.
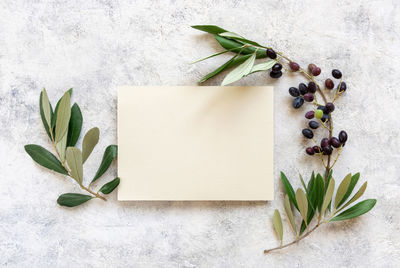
(289, 189)
(110, 186)
(237, 37)
(109, 155)
(231, 44)
(75, 125)
(356, 210)
(72, 199)
(212, 29)
(44, 158)
(311, 193)
(319, 191)
(353, 182)
(42, 115)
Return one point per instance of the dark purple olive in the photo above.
(324, 142)
(343, 87)
(325, 118)
(310, 151)
(327, 150)
(312, 87)
(329, 83)
(313, 124)
(336, 73)
(303, 88)
(307, 133)
(275, 74)
(294, 66)
(308, 97)
(309, 115)
(317, 149)
(277, 67)
(271, 53)
(294, 92)
(316, 71)
(329, 107)
(335, 142)
(342, 136)
(311, 66)
(298, 102)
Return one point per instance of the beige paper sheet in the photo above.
(195, 143)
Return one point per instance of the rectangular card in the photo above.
(195, 143)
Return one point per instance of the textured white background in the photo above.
(94, 46)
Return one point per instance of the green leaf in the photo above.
(109, 155)
(239, 38)
(302, 182)
(289, 189)
(110, 186)
(262, 66)
(301, 199)
(353, 182)
(75, 125)
(355, 211)
(44, 158)
(46, 107)
(72, 199)
(359, 193)
(277, 221)
(74, 160)
(61, 147)
(89, 142)
(42, 115)
(319, 191)
(311, 193)
(343, 186)
(212, 29)
(63, 116)
(54, 119)
(231, 44)
(240, 71)
(289, 213)
(328, 195)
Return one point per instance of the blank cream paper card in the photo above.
(195, 143)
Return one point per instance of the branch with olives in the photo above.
(63, 127)
(316, 203)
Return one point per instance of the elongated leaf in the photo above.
(328, 195)
(72, 199)
(110, 186)
(109, 155)
(262, 66)
(289, 213)
(310, 215)
(277, 220)
(239, 38)
(353, 182)
(359, 193)
(74, 160)
(319, 191)
(235, 60)
(44, 158)
(63, 116)
(212, 29)
(61, 146)
(311, 193)
(54, 119)
(301, 199)
(89, 142)
(46, 107)
(289, 189)
(231, 44)
(341, 191)
(302, 182)
(42, 115)
(240, 71)
(355, 211)
(75, 125)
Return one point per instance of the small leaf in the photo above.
(74, 160)
(212, 29)
(289, 189)
(44, 158)
(262, 66)
(109, 155)
(289, 213)
(301, 199)
(110, 186)
(355, 211)
(328, 195)
(353, 182)
(341, 191)
(240, 71)
(277, 221)
(89, 142)
(359, 193)
(46, 107)
(63, 116)
(72, 199)
(75, 125)
(43, 117)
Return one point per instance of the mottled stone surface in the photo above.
(94, 46)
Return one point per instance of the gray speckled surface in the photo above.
(94, 46)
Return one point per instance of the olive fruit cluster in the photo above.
(326, 145)
(329, 84)
(302, 93)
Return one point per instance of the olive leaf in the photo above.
(231, 44)
(46, 125)
(341, 191)
(75, 125)
(44, 158)
(54, 119)
(46, 107)
(328, 195)
(277, 221)
(109, 155)
(61, 147)
(262, 66)
(319, 184)
(212, 29)
(289, 189)
(301, 199)
(74, 160)
(353, 182)
(110, 186)
(89, 142)
(63, 116)
(239, 38)
(72, 199)
(302, 182)
(289, 213)
(359, 193)
(240, 71)
(355, 211)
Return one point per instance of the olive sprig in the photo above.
(63, 127)
(316, 201)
